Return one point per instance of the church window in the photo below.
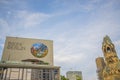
(108, 49)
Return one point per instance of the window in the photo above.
(108, 49)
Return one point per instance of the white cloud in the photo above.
(4, 28)
(87, 43)
(69, 58)
(77, 42)
(4, 2)
(30, 19)
(63, 7)
(117, 42)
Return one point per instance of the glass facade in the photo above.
(45, 74)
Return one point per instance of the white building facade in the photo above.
(28, 59)
(74, 75)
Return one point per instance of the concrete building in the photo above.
(28, 59)
(27, 71)
(74, 75)
(111, 69)
(18, 49)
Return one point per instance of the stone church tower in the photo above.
(111, 70)
(110, 54)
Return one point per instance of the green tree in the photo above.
(78, 77)
(63, 78)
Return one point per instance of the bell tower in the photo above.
(109, 52)
(111, 68)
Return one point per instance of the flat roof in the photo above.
(26, 65)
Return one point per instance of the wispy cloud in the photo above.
(4, 28)
(77, 28)
(31, 19)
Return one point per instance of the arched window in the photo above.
(108, 49)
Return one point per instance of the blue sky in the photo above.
(77, 28)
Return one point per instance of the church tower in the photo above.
(112, 68)
(109, 51)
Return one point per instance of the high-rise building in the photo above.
(28, 59)
(74, 75)
(111, 70)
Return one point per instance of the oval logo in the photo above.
(39, 50)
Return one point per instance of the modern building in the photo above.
(109, 67)
(74, 75)
(28, 59)
(21, 49)
(27, 71)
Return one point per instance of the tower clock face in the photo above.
(39, 50)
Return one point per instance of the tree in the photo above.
(63, 78)
(78, 77)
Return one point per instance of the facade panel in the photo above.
(74, 75)
(26, 49)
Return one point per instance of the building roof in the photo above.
(26, 65)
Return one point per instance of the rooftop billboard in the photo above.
(23, 49)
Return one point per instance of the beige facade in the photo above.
(27, 71)
(111, 70)
(28, 59)
(100, 66)
(74, 75)
(18, 49)
(100, 63)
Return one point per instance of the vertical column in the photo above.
(6, 71)
(19, 74)
(50, 74)
(59, 73)
(41, 74)
(22, 73)
(53, 77)
(1, 73)
(26, 74)
(9, 74)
